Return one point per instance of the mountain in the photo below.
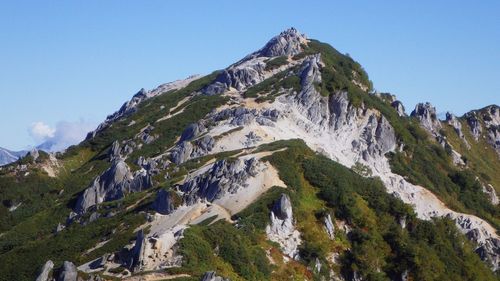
(8, 156)
(285, 165)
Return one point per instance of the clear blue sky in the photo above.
(78, 61)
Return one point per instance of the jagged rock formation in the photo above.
(225, 176)
(68, 272)
(130, 106)
(457, 126)
(156, 251)
(186, 150)
(487, 245)
(329, 227)
(282, 229)
(163, 203)
(485, 120)
(113, 184)
(400, 109)
(427, 116)
(474, 125)
(287, 43)
(46, 270)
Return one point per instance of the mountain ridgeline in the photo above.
(284, 166)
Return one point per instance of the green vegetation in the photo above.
(270, 88)
(224, 248)
(379, 248)
(276, 62)
(340, 73)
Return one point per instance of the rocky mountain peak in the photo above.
(287, 43)
(426, 114)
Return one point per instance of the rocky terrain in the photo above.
(285, 165)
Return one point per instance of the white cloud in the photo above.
(40, 131)
(63, 135)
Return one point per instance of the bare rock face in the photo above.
(494, 137)
(287, 43)
(192, 131)
(457, 126)
(181, 152)
(186, 150)
(488, 247)
(399, 107)
(251, 70)
(492, 195)
(157, 251)
(68, 272)
(329, 227)
(211, 276)
(113, 184)
(474, 124)
(46, 270)
(239, 76)
(490, 125)
(114, 151)
(225, 176)
(426, 114)
(491, 120)
(163, 203)
(282, 229)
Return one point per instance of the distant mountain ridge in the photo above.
(8, 156)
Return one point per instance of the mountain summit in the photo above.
(284, 165)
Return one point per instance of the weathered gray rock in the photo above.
(309, 100)
(45, 272)
(490, 125)
(329, 227)
(493, 137)
(156, 251)
(282, 208)
(287, 43)
(492, 195)
(427, 116)
(114, 151)
(68, 272)
(453, 121)
(146, 135)
(113, 184)
(282, 229)
(163, 203)
(138, 251)
(474, 124)
(399, 107)
(239, 76)
(192, 131)
(379, 136)
(203, 145)
(211, 276)
(181, 152)
(34, 154)
(60, 227)
(487, 246)
(225, 176)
